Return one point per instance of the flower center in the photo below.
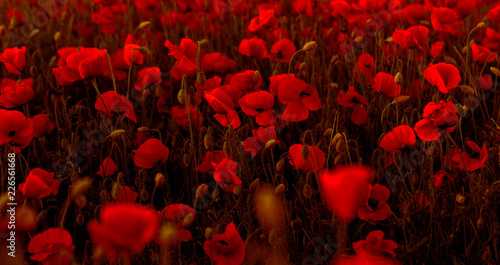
(11, 134)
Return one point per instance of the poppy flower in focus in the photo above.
(259, 105)
(217, 62)
(115, 104)
(186, 58)
(176, 213)
(412, 38)
(183, 119)
(376, 212)
(300, 97)
(472, 159)
(150, 153)
(148, 77)
(52, 246)
(17, 95)
(437, 178)
(283, 50)
(39, 184)
(354, 99)
(481, 54)
(436, 118)
(42, 125)
(384, 83)
(127, 195)
(254, 47)
(259, 139)
(227, 248)
(399, 139)
(345, 189)
(15, 129)
(313, 161)
(365, 66)
(123, 227)
(64, 53)
(107, 167)
(374, 246)
(131, 54)
(222, 103)
(444, 76)
(14, 59)
(265, 20)
(210, 157)
(225, 174)
(486, 82)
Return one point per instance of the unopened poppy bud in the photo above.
(80, 219)
(117, 133)
(270, 144)
(182, 96)
(338, 159)
(255, 77)
(255, 185)
(328, 132)
(185, 160)
(80, 200)
(65, 144)
(116, 190)
(209, 233)
(227, 149)
(467, 89)
(3, 30)
(304, 152)
(201, 78)
(480, 223)
(143, 50)
(188, 220)
(208, 141)
(57, 36)
(307, 191)
(460, 198)
(144, 25)
(215, 194)
(359, 39)
(143, 129)
(159, 179)
(81, 186)
(146, 93)
(481, 25)
(280, 165)
(121, 175)
(495, 71)
(302, 66)
(33, 33)
(237, 189)
(334, 59)
(388, 39)
(158, 91)
(310, 46)
(450, 60)
(400, 99)
(340, 146)
(398, 79)
(336, 139)
(280, 189)
(201, 191)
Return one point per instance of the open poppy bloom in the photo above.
(437, 117)
(254, 47)
(283, 50)
(259, 105)
(374, 246)
(275, 82)
(444, 76)
(150, 153)
(384, 83)
(176, 213)
(127, 195)
(210, 157)
(115, 104)
(444, 19)
(248, 81)
(148, 77)
(186, 58)
(225, 174)
(182, 119)
(259, 139)
(107, 167)
(39, 184)
(42, 125)
(345, 189)
(265, 20)
(88, 62)
(227, 248)
(380, 211)
(314, 160)
(412, 38)
(52, 246)
(223, 105)
(437, 178)
(399, 139)
(16, 95)
(123, 227)
(217, 62)
(481, 54)
(14, 59)
(15, 129)
(470, 160)
(299, 96)
(365, 66)
(354, 99)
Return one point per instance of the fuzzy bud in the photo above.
(201, 191)
(304, 152)
(57, 36)
(398, 79)
(117, 133)
(280, 189)
(159, 179)
(255, 185)
(182, 96)
(310, 46)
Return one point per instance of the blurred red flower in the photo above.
(107, 167)
(481, 54)
(42, 125)
(365, 66)
(437, 48)
(131, 54)
(485, 82)
(259, 139)
(227, 248)
(412, 38)
(127, 195)
(210, 84)
(300, 97)
(354, 99)
(181, 117)
(444, 76)
(494, 14)
(265, 20)
(379, 212)
(314, 160)
(14, 59)
(345, 189)
(470, 160)
(115, 104)
(259, 105)
(39, 184)
(399, 139)
(440, 175)
(210, 157)
(217, 62)
(283, 50)
(176, 213)
(147, 78)
(444, 19)
(254, 47)
(374, 246)
(15, 129)
(186, 58)
(14, 13)
(150, 153)
(436, 118)
(53, 246)
(384, 83)
(225, 174)
(16, 95)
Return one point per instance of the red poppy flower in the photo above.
(64, 53)
(15, 129)
(345, 189)
(217, 62)
(300, 97)
(444, 76)
(437, 48)
(354, 99)
(365, 66)
(247, 81)
(107, 167)
(399, 139)
(259, 105)
(444, 19)
(283, 50)
(118, 64)
(254, 47)
(259, 139)
(494, 13)
(225, 174)
(227, 248)
(275, 81)
(210, 157)
(39, 184)
(413, 13)
(313, 153)
(222, 103)
(374, 246)
(384, 83)
(486, 82)
(418, 201)
(42, 125)
(175, 213)
(108, 16)
(16, 95)
(437, 178)
(412, 38)
(14, 59)
(472, 159)
(381, 211)
(88, 62)
(481, 54)
(127, 195)
(131, 52)
(14, 13)
(52, 246)
(492, 39)
(150, 153)
(182, 119)
(265, 20)
(123, 227)
(436, 118)
(115, 104)
(25, 220)
(186, 58)
(148, 77)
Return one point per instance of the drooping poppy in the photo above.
(369, 211)
(275, 82)
(259, 139)
(14, 59)
(227, 248)
(148, 77)
(374, 246)
(399, 139)
(283, 50)
(384, 83)
(115, 104)
(345, 189)
(254, 47)
(314, 160)
(52, 246)
(176, 214)
(107, 167)
(17, 95)
(470, 160)
(436, 118)
(225, 174)
(210, 157)
(259, 105)
(300, 97)
(265, 20)
(437, 178)
(88, 62)
(39, 184)
(16, 130)
(444, 76)
(42, 125)
(481, 54)
(150, 153)
(412, 38)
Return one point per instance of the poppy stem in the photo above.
(111, 71)
(94, 83)
(290, 63)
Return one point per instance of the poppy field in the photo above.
(227, 132)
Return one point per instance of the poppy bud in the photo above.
(495, 71)
(143, 50)
(143, 129)
(185, 160)
(304, 152)
(256, 77)
(398, 79)
(52, 61)
(208, 141)
(80, 219)
(201, 78)
(280, 165)
(307, 191)
(340, 146)
(389, 39)
(359, 39)
(480, 223)
(159, 179)
(302, 66)
(481, 25)
(201, 191)
(65, 144)
(188, 220)
(117, 133)
(328, 132)
(460, 198)
(209, 233)
(215, 194)
(237, 189)
(81, 201)
(450, 60)
(270, 144)
(255, 185)
(144, 25)
(80, 186)
(310, 46)
(227, 149)
(146, 93)
(3, 30)
(338, 159)
(57, 36)
(116, 190)
(13, 22)
(168, 234)
(182, 96)
(280, 189)
(33, 33)
(158, 91)
(336, 139)
(144, 195)
(203, 42)
(334, 59)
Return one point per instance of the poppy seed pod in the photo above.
(201, 191)
(116, 190)
(310, 46)
(460, 198)
(201, 78)
(159, 179)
